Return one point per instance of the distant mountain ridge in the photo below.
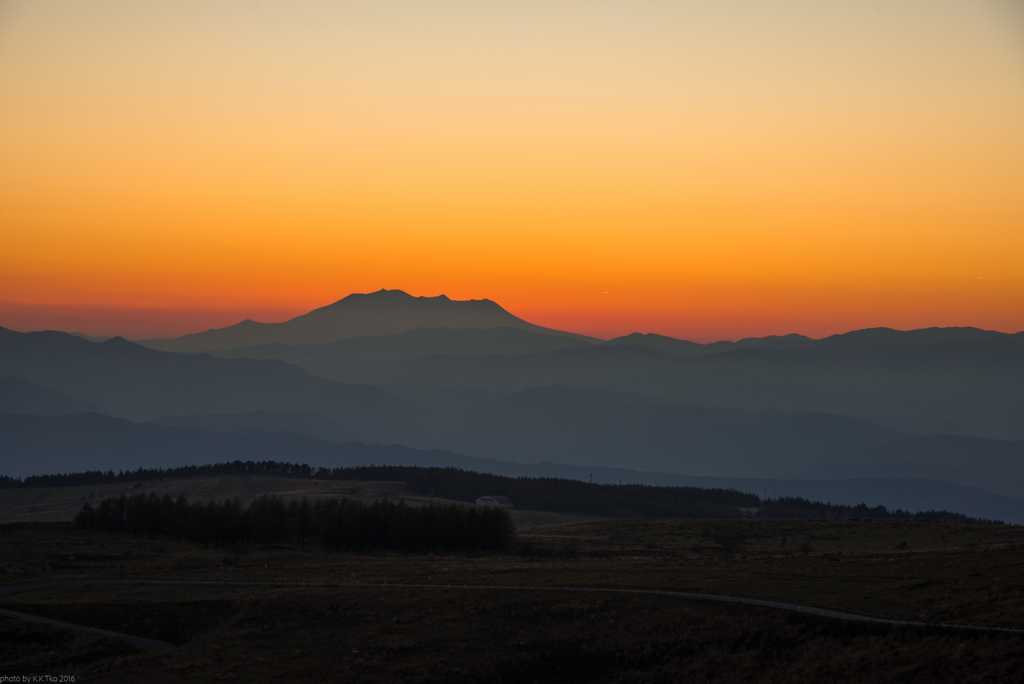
(610, 430)
(792, 342)
(387, 313)
(865, 405)
(37, 444)
(131, 381)
(40, 445)
(21, 396)
(958, 386)
(304, 422)
(357, 315)
(413, 344)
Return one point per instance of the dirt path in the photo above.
(137, 642)
(151, 645)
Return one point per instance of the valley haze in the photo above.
(920, 419)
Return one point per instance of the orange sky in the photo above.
(704, 170)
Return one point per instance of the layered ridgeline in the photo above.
(455, 484)
(792, 342)
(963, 381)
(126, 380)
(561, 424)
(967, 382)
(412, 344)
(449, 353)
(358, 315)
(21, 396)
(602, 430)
(937, 405)
(35, 445)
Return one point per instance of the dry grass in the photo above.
(946, 572)
(405, 635)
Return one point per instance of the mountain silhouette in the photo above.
(43, 444)
(593, 367)
(357, 315)
(572, 426)
(21, 396)
(672, 345)
(958, 386)
(131, 381)
(583, 427)
(847, 406)
(91, 338)
(792, 342)
(35, 445)
(304, 422)
(412, 344)
(669, 345)
(920, 336)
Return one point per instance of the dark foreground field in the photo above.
(932, 572)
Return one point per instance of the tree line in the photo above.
(92, 477)
(557, 494)
(794, 507)
(340, 524)
(536, 493)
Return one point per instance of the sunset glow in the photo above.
(702, 170)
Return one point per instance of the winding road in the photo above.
(153, 645)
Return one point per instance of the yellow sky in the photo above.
(700, 169)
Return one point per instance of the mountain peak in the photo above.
(399, 299)
(912, 337)
(383, 312)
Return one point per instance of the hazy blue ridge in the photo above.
(958, 386)
(413, 344)
(134, 382)
(21, 396)
(59, 444)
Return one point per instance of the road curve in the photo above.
(137, 642)
(151, 645)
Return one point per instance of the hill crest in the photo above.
(357, 315)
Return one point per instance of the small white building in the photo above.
(494, 502)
